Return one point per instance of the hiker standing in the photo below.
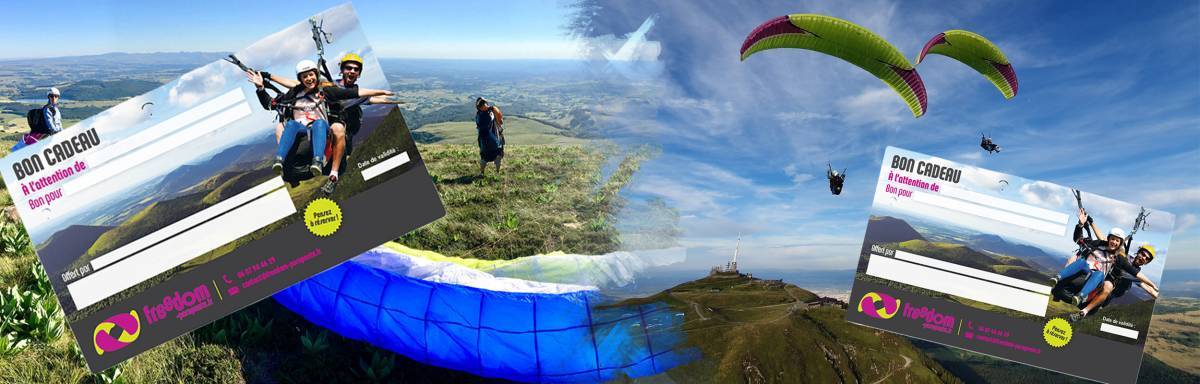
(489, 124)
(51, 115)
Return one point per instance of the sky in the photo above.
(1107, 103)
(400, 29)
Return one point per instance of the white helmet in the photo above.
(53, 92)
(1118, 232)
(305, 66)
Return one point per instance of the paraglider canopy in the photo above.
(145, 107)
(978, 53)
(844, 40)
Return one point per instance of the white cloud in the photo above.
(802, 116)
(874, 106)
(1044, 194)
(122, 116)
(798, 177)
(1184, 223)
(198, 85)
(286, 47)
(1173, 197)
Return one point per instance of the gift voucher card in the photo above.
(1020, 269)
(180, 206)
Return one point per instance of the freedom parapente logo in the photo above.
(116, 332)
(879, 305)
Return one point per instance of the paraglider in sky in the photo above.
(146, 107)
(1003, 184)
(846, 41)
(978, 53)
(987, 144)
(835, 179)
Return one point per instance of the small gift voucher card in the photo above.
(1023, 270)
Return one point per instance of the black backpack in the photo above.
(37, 121)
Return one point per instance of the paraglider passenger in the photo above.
(987, 144)
(310, 111)
(835, 179)
(1127, 271)
(491, 141)
(1097, 260)
(349, 119)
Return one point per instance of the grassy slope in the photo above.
(517, 131)
(553, 198)
(549, 198)
(1175, 334)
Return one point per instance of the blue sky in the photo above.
(420, 29)
(1108, 103)
(1108, 99)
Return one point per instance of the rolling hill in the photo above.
(758, 331)
(1034, 256)
(65, 246)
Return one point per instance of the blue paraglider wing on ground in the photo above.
(436, 313)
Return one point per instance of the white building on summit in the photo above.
(731, 267)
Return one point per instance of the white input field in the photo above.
(182, 225)
(958, 285)
(384, 166)
(105, 171)
(1007, 205)
(989, 213)
(1119, 331)
(180, 249)
(976, 273)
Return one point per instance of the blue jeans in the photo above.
(293, 128)
(1094, 278)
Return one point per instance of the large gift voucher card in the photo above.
(1023, 270)
(182, 205)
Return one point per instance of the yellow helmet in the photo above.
(1149, 249)
(351, 56)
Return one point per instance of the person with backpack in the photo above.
(489, 124)
(308, 100)
(43, 122)
(52, 118)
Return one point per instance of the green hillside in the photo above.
(760, 331)
(967, 257)
(517, 131)
(548, 198)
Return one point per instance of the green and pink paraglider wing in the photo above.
(844, 40)
(978, 53)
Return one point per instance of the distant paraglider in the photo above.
(835, 179)
(146, 107)
(1003, 184)
(978, 53)
(846, 41)
(988, 145)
